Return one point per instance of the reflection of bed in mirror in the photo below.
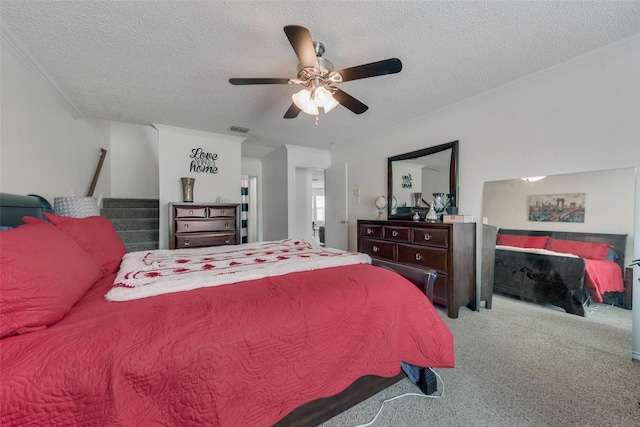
(608, 218)
(564, 269)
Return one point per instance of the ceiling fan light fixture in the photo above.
(311, 108)
(330, 104)
(302, 98)
(322, 96)
(316, 73)
(304, 102)
(309, 101)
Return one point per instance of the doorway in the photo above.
(249, 209)
(318, 205)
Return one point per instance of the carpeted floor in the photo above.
(520, 364)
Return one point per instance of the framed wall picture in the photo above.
(568, 207)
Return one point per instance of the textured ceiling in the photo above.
(169, 62)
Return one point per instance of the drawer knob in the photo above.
(186, 243)
(226, 225)
(227, 240)
(185, 226)
(369, 231)
(394, 233)
(418, 257)
(427, 236)
(376, 249)
(222, 213)
(190, 212)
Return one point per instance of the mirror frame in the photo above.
(453, 173)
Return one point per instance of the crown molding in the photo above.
(195, 132)
(22, 54)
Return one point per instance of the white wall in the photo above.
(303, 205)
(43, 149)
(176, 148)
(579, 116)
(275, 214)
(134, 160)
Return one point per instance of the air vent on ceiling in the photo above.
(239, 129)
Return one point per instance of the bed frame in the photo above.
(14, 207)
(553, 280)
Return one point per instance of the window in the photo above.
(319, 208)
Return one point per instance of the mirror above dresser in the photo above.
(414, 177)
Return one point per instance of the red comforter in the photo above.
(241, 354)
(602, 276)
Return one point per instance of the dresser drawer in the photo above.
(196, 240)
(195, 225)
(215, 212)
(374, 231)
(378, 249)
(402, 234)
(425, 256)
(191, 212)
(430, 236)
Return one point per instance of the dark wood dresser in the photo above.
(450, 249)
(194, 225)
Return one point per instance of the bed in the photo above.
(285, 349)
(565, 269)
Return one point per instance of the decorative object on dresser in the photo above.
(449, 249)
(457, 218)
(381, 203)
(195, 225)
(187, 189)
(431, 216)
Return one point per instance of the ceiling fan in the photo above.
(316, 75)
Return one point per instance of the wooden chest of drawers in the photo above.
(450, 249)
(194, 225)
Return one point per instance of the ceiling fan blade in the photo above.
(300, 40)
(380, 68)
(292, 112)
(258, 81)
(349, 101)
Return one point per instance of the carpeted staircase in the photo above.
(137, 221)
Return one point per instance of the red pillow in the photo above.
(536, 242)
(43, 273)
(582, 249)
(96, 235)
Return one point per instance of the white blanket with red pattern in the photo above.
(145, 274)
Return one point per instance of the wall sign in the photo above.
(406, 181)
(203, 162)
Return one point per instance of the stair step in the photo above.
(141, 246)
(130, 213)
(137, 221)
(130, 203)
(128, 224)
(139, 236)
